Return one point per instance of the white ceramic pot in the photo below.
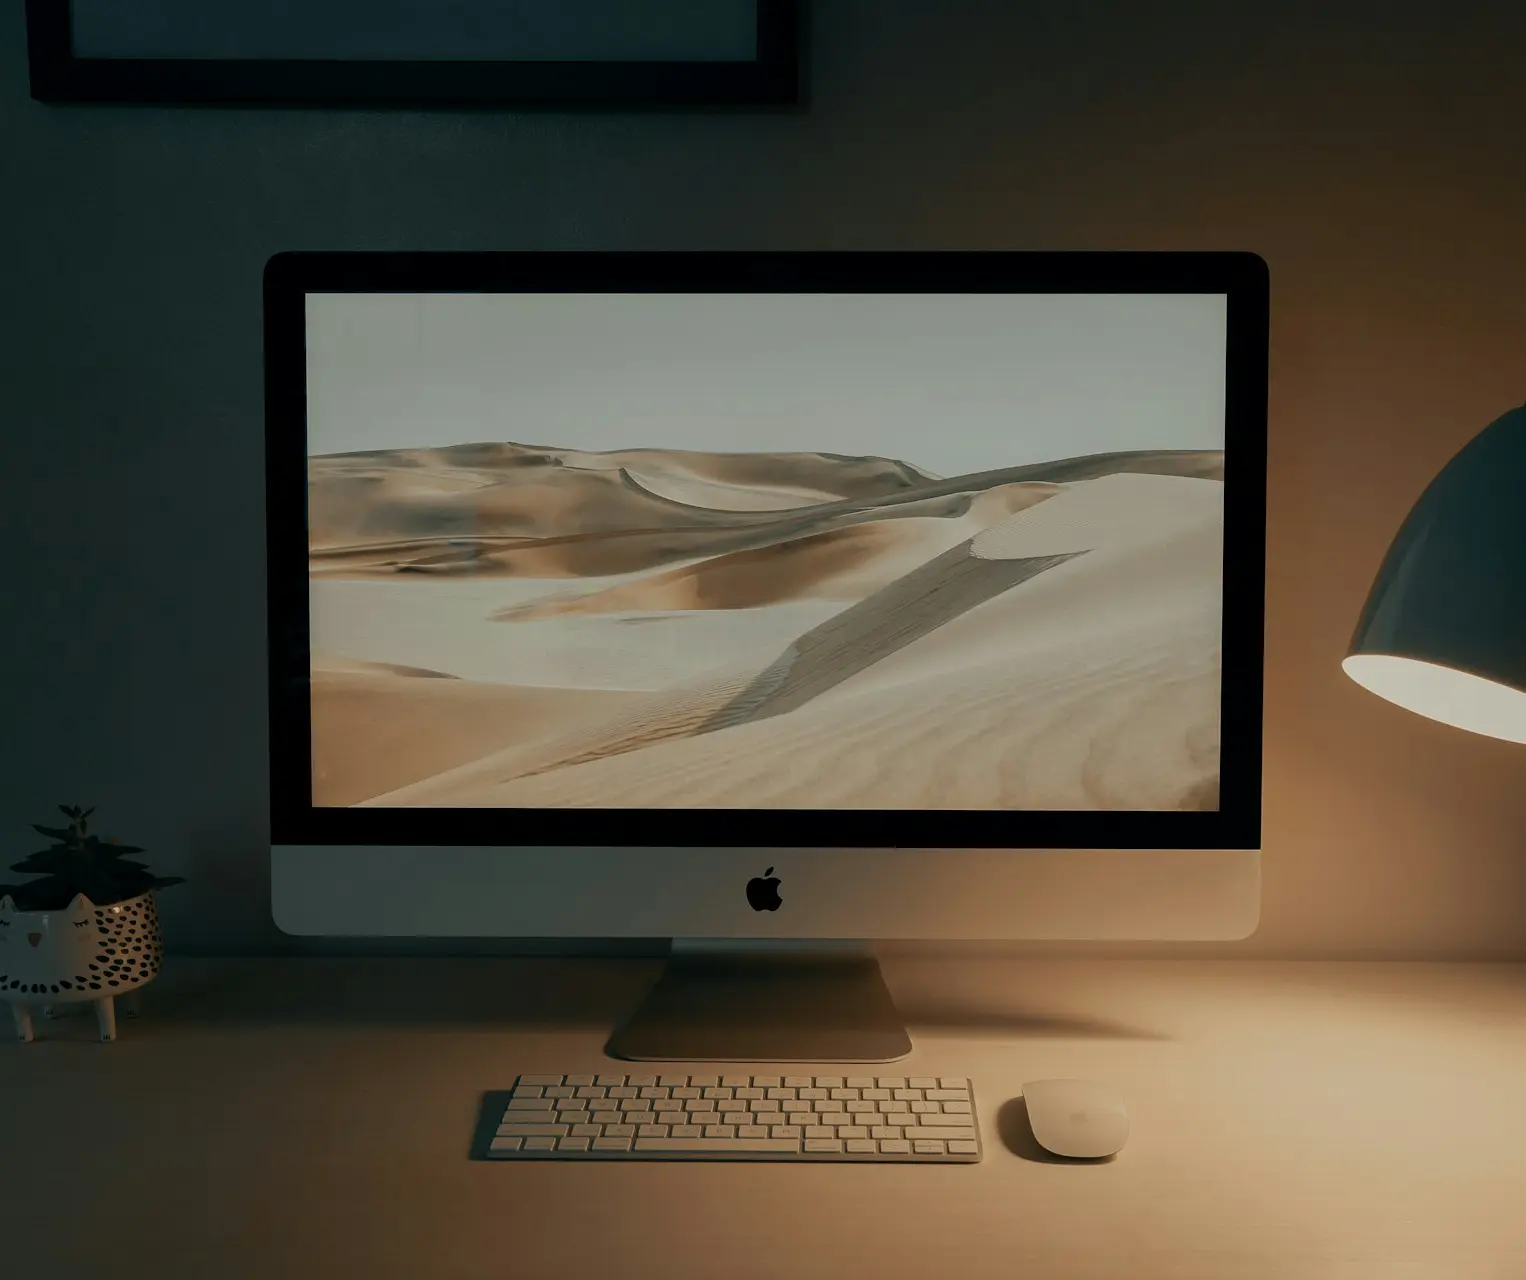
(82, 953)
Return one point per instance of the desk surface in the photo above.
(305, 1118)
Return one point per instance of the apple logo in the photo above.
(763, 892)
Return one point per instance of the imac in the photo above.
(772, 603)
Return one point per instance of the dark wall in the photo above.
(1370, 151)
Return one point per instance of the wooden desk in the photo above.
(311, 1118)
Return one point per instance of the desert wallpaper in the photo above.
(518, 619)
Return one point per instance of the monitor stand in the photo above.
(765, 1002)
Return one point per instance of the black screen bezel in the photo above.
(1240, 277)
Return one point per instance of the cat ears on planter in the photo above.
(8, 904)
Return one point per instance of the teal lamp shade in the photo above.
(1444, 630)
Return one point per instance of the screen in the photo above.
(766, 551)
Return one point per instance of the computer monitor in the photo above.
(766, 596)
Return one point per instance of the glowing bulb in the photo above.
(1453, 697)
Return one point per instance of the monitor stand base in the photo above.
(767, 1002)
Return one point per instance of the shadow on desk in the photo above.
(504, 993)
(493, 994)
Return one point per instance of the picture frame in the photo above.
(86, 51)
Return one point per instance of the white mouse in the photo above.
(1079, 1118)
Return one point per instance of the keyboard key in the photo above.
(542, 1080)
(587, 1130)
(923, 1082)
(766, 1082)
(530, 1104)
(895, 1147)
(560, 1091)
(654, 1091)
(639, 1117)
(925, 1148)
(652, 1131)
(572, 1144)
(786, 1131)
(590, 1091)
(720, 1131)
(852, 1131)
(924, 1108)
(844, 1095)
(956, 1108)
(749, 1131)
(532, 1130)
(946, 1095)
(782, 1095)
(668, 1104)
(736, 1082)
(672, 1082)
(815, 1095)
(907, 1095)
(611, 1144)
(540, 1144)
(823, 1145)
(749, 1092)
(609, 1080)
(892, 1082)
(859, 1108)
(758, 1146)
(820, 1131)
(705, 1082)
(500, 1145)
(606, 1117)
(874, 1095)
(624, 1091)
(716, 1092)
(703, 1105)
(860, 1082)
(529, 1091)
(686, 1131)
(731, 1104)
(885, 1131)
(963, 1149)
(620, 1131)
(641, 1081)
(923, 1131)
(578, 1081)
(953, 1082)
(635, 1104)
(798, 1082)
(829, 1082)
(892, 1108)
(687, 1091)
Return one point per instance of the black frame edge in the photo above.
(772, 78)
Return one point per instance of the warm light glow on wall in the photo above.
(1442, 693)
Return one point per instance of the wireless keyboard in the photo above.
(889, 1119)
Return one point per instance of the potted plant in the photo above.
(86, 929)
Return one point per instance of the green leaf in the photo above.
(54, 833)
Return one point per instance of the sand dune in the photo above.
(1114, 708)
(515, 510)
(755, 630)
(373, 730)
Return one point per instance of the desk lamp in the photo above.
(1444, 629)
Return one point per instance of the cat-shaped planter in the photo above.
(82, 953)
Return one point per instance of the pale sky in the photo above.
(952, 383)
